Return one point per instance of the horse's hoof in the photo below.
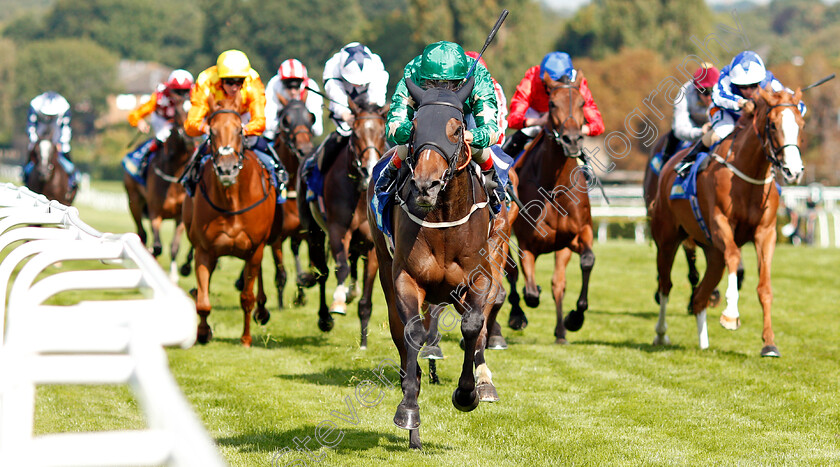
(661, 340)
(656, 297)
(262, 316)
(463, 344)
(407, 419)
(338, 308)
(574, 321)
(431, 352)
(731, 324)
(326, 325)
(532, 301)
(487, 392)
(306, 280)
(185, 270)
(770, 351)
(518, 321)
(239, 284)
(561, 341)
(496, 343)
(300, 299)
(204, 335)
(157, 250)
(467, 406)
(714, 299)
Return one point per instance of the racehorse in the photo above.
(231, 214)
(345, 213)
(292, 144)
(441, 225)
(48, 176)
(163, 196)
(556, 214)
(737, 200)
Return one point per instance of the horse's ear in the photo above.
(466, 90)
(414, 90)
(578, 78)
(797, 95)
(354, 108)
(548, 81)
(282, 99)
(766, 94)
(237, 100)
(384, 110)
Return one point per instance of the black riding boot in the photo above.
(514, 145)
(495, 189)
(386, 178)
(687, 161)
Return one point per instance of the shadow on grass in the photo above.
(277, 342)
(352, 441)
(649, 348)
(341, 377)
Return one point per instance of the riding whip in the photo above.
(487, 42)
(813, 85)
(327, 98)
(133, 140)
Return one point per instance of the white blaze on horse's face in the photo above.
(792, 166)
(44, 150)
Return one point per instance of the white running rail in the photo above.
(116, 341)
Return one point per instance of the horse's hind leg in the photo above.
(157, 245)
(205, 264)
(174, 248)
(340, 246)
(690, 250)
(366, 303)
(765, 243)
(517, 319)
(432, 350)
(531, 290)
(186, 267)
(280, 276)
(558, 290)
(303, 279)
(352, 286)
(246, 297)
(319, 260)
(261, 314)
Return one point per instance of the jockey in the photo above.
(352, 72)
(737, 86)
(529, 105)
(291, 82)
(161, 107)
(691, 113)
(49, 114)
(232, 74)
(501, 101)
(446, 63)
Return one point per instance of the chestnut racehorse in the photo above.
(345, 214)
(441, 225)
(231, 214)
(556, 214)
(163, 196)
(738, 200)
(48, 177)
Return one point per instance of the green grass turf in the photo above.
(608, 398)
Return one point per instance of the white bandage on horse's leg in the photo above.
(702, 330)
(340, 294)
(661, 325)
(731, 310)
(483, 374)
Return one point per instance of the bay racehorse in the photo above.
(737, 199)
(556, 212)
(292, 144)
(231, 214)
(48, 176)
(163, 196)
(345, 214)
(441, 225)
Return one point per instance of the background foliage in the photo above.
(624, 48)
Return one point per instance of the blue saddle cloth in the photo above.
(314, 179)
(131, 162)
(659, 159)
(686, 188)
(265, 161)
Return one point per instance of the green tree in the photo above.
(7, 95)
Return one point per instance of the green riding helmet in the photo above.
(443, 61)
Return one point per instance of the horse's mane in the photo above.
(365, 105)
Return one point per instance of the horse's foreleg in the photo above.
(765, 244)
(280, 277)
(366, 303)
(714, 270)
(574, 321)
(157, 246)
(186, 267)
(409, 298)
(205, 263)
(466, 397)
(174, 248)
(558, 291)
(666, 251)
(252, 272)
(730, 318)
(531, 290)
(340, 246)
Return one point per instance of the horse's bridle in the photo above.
(289, 134)
(356, 160)
(558, 137)
(770, 148)
(451, 159)
(226, 150)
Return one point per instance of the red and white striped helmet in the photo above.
(180, 79)
(292, 69)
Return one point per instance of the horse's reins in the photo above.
(241, 155)
(558, 137)
(357, 156)
(163, 175)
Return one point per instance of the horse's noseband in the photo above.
(770, 148)
(226, 150)
(450, 156)
(558, 136)
(356, 161)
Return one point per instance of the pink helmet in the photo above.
(292, 69)
(706, 76)
(180, 79)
